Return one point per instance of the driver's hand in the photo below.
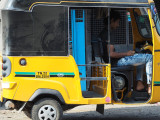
(130, 53)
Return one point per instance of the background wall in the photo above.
(1, 6)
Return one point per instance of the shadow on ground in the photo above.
(127, 113)
(112, 112)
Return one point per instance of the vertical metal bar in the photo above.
(109, 34)
(103, 76)
(109, 44)
(97, 73)
(73, 23)
(84, 36)
(68, 32)
(72, 28)
(127, 30)
(83, 84)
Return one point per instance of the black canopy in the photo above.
(26, 4)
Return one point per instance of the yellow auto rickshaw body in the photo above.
(32, 78)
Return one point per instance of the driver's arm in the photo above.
(114, 54)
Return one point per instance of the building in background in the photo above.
(1, 6)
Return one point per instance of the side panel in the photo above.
(156, 62)
(64, 77)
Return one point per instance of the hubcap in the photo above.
(47, 112)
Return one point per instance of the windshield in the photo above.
(143, 23)
(155, 18)
(37, 33)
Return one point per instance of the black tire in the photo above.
(41, 108)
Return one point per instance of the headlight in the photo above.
(119, 82)
(5, 85)
(8, 85)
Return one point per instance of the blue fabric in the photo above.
(139, 60)
(135, 59)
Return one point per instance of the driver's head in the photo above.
(114, 20)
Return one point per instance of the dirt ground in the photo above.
(87, 112)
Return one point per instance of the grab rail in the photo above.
(94, 78)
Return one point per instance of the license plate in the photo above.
(42, 75)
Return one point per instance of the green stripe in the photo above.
(51, 73)
(157, 82)
(56, 73)
(25, 73)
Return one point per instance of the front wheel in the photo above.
(47, 109)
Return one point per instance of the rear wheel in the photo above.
(47, 109)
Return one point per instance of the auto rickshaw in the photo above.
(52, 58)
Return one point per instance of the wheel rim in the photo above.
(47, 112)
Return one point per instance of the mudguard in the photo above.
(47, 91)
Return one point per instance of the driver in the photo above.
(125, 58)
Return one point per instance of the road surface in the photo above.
(87, 112)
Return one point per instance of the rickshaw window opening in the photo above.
(155, 17)
(143, 24)
(37, 30)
